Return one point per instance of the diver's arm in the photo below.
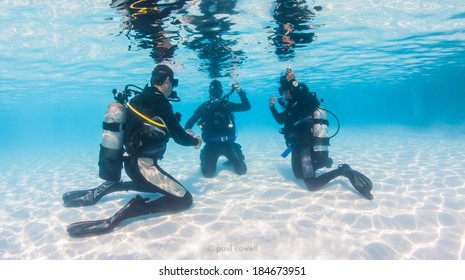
(179, 135)
(279, 117)
(195, 117)
(243, 106)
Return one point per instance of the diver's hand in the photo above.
(272, 100)
(236, 86)
(290, 75)
(199, 141)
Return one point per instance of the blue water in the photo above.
(392, 71)
(374, 62)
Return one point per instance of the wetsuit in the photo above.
(145, 142)
(220, 141)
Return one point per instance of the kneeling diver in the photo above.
(150, 122)
(305, 132)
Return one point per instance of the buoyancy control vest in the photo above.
(217, 121)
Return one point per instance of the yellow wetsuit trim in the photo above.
(145, 117)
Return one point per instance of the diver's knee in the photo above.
(311, 185)
(242, 170)
(187, 200)
(208, 174)
(312, 188)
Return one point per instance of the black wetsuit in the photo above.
(297, 130)
(220, 141)
(146, 146)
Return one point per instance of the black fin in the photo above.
(359, 181)
(86, 197)
(79, 198)
(89, 228)
(362, 184)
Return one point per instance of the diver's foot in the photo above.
(359, 181)
(132, 209)
(86, 197)
(346, 171)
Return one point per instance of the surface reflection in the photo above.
(207, 28)
(157, 25)
(294, 28)
(211, 37)
(152, 25)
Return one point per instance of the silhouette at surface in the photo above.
(152, 25)
(162, 26)
(212, 38)
(293, 26)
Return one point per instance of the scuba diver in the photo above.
(137, 133)
(305, 131)
(216, 120)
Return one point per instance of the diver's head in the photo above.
(163, 79)
(289, 87)
(215, 90)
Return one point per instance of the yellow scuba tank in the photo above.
(111, 149)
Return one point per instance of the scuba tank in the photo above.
(114, 125)
(111, 149)
(321, 138)
(320, 131)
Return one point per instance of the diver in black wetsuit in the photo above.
(299, 105)
(216, 119)
(150, 123)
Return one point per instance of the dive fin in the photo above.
(97, 227)
(359, 181)
(79, 198)
(86, 197)
(89, 228)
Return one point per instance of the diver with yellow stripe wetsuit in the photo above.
(150, 122)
